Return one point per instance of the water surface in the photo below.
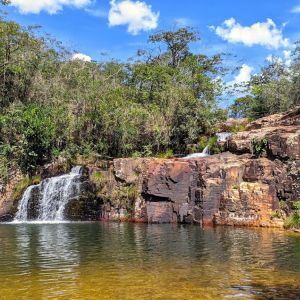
(137, 261)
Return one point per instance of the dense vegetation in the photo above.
(275, 89)
(51, 105)
(157, 104)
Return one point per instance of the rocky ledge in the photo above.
(222, 189)
(246, 186)
(254, 183)
(281, 132)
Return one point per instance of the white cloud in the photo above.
(81, 56)
(285, 58)
(264, 34)
(288, 57)
(274, 59)
(287, 54)
(270, 58)
(50, 6)
(296, 9)
(136, 14)
(183, 22)
(96, 12)
(243, 76)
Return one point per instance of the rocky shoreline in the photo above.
(254, 183)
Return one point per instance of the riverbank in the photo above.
(256, 182)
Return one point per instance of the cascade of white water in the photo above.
(53, 196)
(204, 153)
(22, 213)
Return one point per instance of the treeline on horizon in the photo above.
(165, 99)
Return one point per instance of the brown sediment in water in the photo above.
(137, 261)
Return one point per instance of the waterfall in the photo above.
(52, 195)
(204, 153)
(22, 213)
(223, 136)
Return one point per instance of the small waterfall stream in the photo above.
(52, 195)
(222, 138)
(204, 153)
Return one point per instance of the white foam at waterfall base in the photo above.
(53, 196)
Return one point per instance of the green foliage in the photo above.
(118, 196)
(237, 128)
(51, 106)
(275, 89)
(259, 147)
(283, 205)
(241, 107)
(214, 147)
(20, 188)
(202, 143)
(177, 43)
(4, 169)
(211, 142)
(32, 134)
(167, 154)
(293, 221)
(296, 205)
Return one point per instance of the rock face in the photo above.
(233, 188)
(244, 186)
(222, 189)
(7, 196)
(281, 131)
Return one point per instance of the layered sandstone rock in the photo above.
(281, 132)
(222, 189)
(7, 191)
(232, 188)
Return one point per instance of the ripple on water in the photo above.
(126, 261)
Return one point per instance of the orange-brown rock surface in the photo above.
(231, 188)
(221, 189)
(281, 131)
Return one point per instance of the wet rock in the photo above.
(85, 208)
(56, 168)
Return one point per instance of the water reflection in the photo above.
(125, 261)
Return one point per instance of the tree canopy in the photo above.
(275, 89)
(52, 105)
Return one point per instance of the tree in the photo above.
(54, 106)
(295, 90)
(177, 43)
(271, 91)
(242, 107)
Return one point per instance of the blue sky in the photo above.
(251, 30)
